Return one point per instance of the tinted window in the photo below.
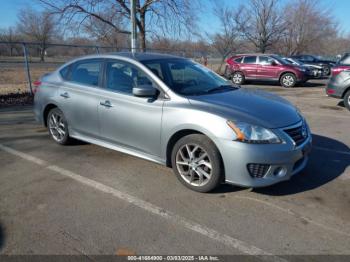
(156, 69)
(64, 72)
(308, 58)
(86, 73)
(239, 60)
(249, 60)
(122, 77)
(188, 78)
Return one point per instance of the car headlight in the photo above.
(253, 134)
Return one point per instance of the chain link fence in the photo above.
(22, 63)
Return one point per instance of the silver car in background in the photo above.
(178, 113)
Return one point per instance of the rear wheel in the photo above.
(58, 127)
(238, 78)
(347, 100)
(197, 163)
(288, 80)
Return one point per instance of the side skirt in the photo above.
(120, 149)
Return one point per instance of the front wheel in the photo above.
(58, 127)
(347, 100)
(288, 80)
(326, 70)
(197, 163)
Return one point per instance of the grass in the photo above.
(14, 79)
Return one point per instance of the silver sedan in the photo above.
(175, 112)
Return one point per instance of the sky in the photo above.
(339, 8)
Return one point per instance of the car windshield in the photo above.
(188, 78)
(281, 60)
(345, 60)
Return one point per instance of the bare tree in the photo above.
(308, 27)
(105, 34)
(152, 15)
(37, 26)
(260, 22)
(226, 42)
(9, 35)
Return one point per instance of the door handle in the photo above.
(65, 95)
(106, 103)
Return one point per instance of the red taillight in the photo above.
(36, 85)
(330, 91)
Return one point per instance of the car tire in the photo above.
(58, 127)
(288, 80)
(326, 70)
(191, 156)
(238, 78)
(347, 100)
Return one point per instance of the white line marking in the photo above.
(331, 150)
(290, 212)
(227, 240)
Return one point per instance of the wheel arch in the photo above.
(286, 72)
(46, 111)
(345, 91)
(176, 137)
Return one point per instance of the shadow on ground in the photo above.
(325, 164)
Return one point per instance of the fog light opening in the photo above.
(280, 171)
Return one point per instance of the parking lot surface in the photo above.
(85, 199)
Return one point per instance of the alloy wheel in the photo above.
(237, 78)
(288, 80)
(57, 127)
(194, 165)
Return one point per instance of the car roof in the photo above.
(144, 56)
(255, 54)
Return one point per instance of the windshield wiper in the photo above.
(221, 88)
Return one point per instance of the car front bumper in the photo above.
(236, 157)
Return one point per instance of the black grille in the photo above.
(297, 134)
(258, 170)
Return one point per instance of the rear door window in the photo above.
(87, 72)
(249, 60)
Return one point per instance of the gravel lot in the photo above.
(85, 199)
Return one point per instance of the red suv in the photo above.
(264, 67)
(342, 65)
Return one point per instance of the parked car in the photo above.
(313, 60)
(339, 87)
(263, 67)
(342, 64)
(178, 113)
(313, 71)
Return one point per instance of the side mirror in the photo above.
(273, 63)
(144, 91)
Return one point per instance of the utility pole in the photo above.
(133, 26)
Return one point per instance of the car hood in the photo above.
(251, 106)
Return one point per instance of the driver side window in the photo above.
(122, 77)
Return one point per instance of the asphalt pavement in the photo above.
(85, 199)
